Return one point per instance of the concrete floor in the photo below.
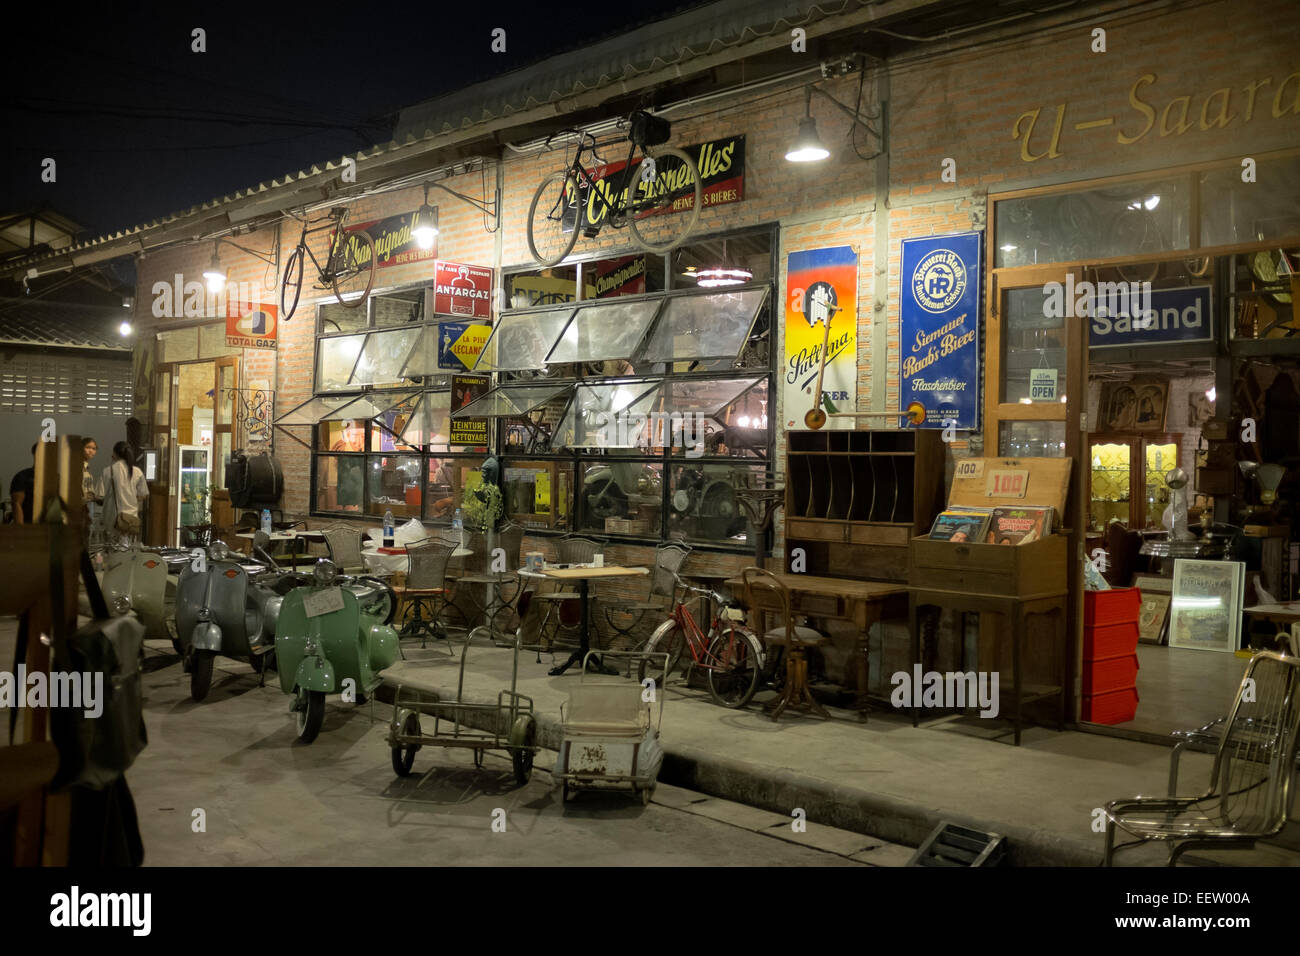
(269, 799)
(1180, 688)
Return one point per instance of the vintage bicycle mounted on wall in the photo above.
(349, 268)
(657, 194)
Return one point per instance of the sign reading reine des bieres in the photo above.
(394, 243)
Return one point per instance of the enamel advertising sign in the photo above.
(251, 325)
(462, 290)
(939, 329)
(821, 293)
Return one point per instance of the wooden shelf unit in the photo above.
(855, 499)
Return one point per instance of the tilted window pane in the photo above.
(595, 418)
(314, 410)
(509, 400)
(704, 326)
(435, 339)
(521, 340)
(335, 318)
(607, 330)
(398, 308)
(335, 358)
(429, 423)
(383, 357)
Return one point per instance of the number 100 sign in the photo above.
(1006, 483)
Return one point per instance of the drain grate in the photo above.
(951, 845)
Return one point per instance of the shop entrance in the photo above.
(193, 411)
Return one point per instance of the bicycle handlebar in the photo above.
(714, 595)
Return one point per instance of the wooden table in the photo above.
(584, 576)
(862, 602)
(1283, 615)
(1014, 611)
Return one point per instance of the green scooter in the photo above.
(333, 636)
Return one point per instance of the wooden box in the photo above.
(1038, 567)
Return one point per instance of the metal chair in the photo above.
(1249, 792)
(426, 589)
(344, 546)
(669, 559)
(566, 605)
(765, 593)
(481, 571)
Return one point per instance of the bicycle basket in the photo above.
(649, 130)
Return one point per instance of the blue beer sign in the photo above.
(1152, 317)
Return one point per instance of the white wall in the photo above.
(17, 432)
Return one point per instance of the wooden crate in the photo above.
(1038, 567)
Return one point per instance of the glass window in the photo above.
(1235, 212)
(702, 503)
(383, 356)
(425, 421)
(212, 342)
(521, 340)
(1161, 459)
(437, 339)
(707, 416)
(538, 493)
(448, 479)
(334, 318)
(178, 345)
(398, 308)
(545, 287)
(1126, 219)
(604, 331)
(713, 326)
(513, 400)
(1110, 483)
(1031, 439)
(335, 359)
(1030, 340)
(393, 483)
(623, 275)
(340, 482)
(390, 430)
(347, 434)
(595, 419)
(622, 497)
(314, 409)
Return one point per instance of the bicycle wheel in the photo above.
(353, 269)
(291, 284)
(553, 218)
(733, 666)
(1134, 231)
(668, 193)
(671, 642)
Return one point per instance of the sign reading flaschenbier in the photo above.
(939, 329)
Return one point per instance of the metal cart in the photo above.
(513, 726)
(610, 741)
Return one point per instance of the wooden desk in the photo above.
(1014, 610)
(862, 602)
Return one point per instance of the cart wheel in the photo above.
(310, 714)
(646, 794)
(201, 673)
(404, 757)
(523, 735)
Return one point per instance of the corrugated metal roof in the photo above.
(59, 324)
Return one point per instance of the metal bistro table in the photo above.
(584, 576)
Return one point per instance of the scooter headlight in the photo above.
(218, 551)
(325, 571)
(121, 604)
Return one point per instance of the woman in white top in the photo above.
(124, 491)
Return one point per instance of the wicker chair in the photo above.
(669, 559)
(344, 546)
(765, 592)
(1249, 791)
(565, 606)
(426, 591)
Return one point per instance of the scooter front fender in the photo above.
(315, 673)
(206, 637)
(383, 647)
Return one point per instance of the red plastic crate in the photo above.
(1110, 674)
(1115, 707)
(1116, 606)
(1116, 640)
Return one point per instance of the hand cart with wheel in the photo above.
(513, 727)
(611, 741)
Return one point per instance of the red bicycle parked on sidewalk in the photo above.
(731, 656)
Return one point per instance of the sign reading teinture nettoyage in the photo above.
(460, 344)
(251, 325)
(722, 178)
(462, 289)
(394, 244)
(939, 329)
(468, 431)
(821, 287)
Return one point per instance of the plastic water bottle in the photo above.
(457, 522)
(388, 528)
(266, 520)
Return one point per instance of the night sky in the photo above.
(140, 126)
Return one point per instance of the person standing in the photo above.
(22, 490)
(124, 492)
(89, 491)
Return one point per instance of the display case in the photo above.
(1127, 478)
(854, 499)
(194, 476)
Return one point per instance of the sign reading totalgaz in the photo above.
(939, 329)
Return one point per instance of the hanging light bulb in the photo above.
(425, 225)
(214, 275)
(724, 274)
(808, 146)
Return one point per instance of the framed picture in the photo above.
(1136, 406)
(1206, 609)
(1157, 595)
(1152, 406)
